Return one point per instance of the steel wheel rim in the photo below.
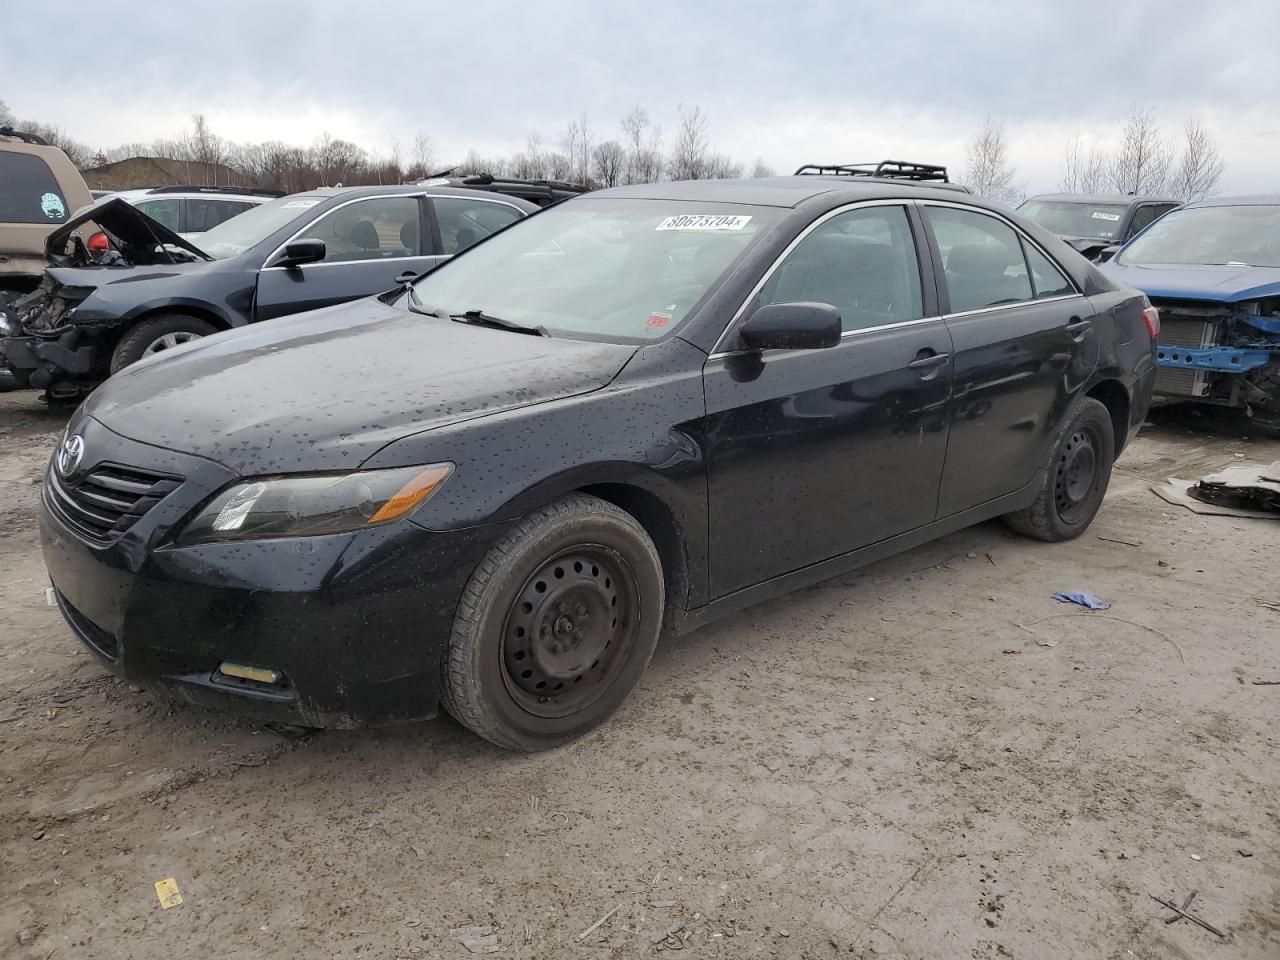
(1077, 474)
(167, 341)
(568, 631)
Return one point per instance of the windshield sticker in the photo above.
(1113, 217)
(703, 221)
(658, 320)
(300, 204)
(52, 206)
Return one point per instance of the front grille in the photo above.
(100, 641)
(106, 501)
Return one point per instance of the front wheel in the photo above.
(1076, 479)
(555, 626)
(155, 335)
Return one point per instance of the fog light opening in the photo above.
(264, 676)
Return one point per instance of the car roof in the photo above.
(410, 189)
(150, 192)
(1248, 200)
(1091, 198)
(782, 191)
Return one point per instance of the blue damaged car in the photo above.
(1212, 269)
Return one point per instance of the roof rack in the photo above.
(250, 191)
(24, 137)
(885, 170)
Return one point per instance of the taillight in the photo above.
(1151, 317)
(98, 243)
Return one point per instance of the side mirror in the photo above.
(1106, 253)
(298, 252)
(792, 326)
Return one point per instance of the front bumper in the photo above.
(43, 360)
(356, 623)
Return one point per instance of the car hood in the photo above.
(139, 239)
(326, 390)
(1218, 283)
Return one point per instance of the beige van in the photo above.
(39, 190)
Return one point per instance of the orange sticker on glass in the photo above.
(658, 320)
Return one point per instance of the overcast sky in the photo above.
(828, 80)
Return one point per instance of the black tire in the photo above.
(145, 337)
(555, 626)
(1076, 480)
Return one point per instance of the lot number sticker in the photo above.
(1099, 215)
(703, 221)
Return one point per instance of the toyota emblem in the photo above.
(70, 454)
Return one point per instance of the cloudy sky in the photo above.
(827, 80)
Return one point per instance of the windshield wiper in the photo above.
(482, 319)
(417, 306)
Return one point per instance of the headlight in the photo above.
(306, 506)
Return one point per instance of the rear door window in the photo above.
(205, 213)
(167, 211)
(464, 221)
(981, 258)
(29, 192)
(862, 262)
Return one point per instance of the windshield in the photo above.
(600, 268)
(235, 236)
(1070, 218)
(1235, 235)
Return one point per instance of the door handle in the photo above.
(929, 361)
(1078, 328)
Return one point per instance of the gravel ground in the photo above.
(927, 759)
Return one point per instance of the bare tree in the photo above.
(643, 142)
(422, 156)
(608, 160)
(988, 170)
(7, 119)
(689, 153)
(1084, 171)
(1144, 159)
(1200, 166)
(762, 169)
(722, 167)
(206, 148)
(576, 141)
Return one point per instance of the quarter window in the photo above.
(373, 229)
(464, 221)
(982, 259)
(862, 262)
(1047, 279)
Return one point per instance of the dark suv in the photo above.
(1096, 224)
(645, 406)
(95, 314)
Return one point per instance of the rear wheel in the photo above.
(157, 334)
(1076, 479)
(556, 625)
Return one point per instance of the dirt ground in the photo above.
(928, 759)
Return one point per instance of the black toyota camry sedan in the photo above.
(635, 411)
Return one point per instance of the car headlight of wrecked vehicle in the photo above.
(304, 506)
